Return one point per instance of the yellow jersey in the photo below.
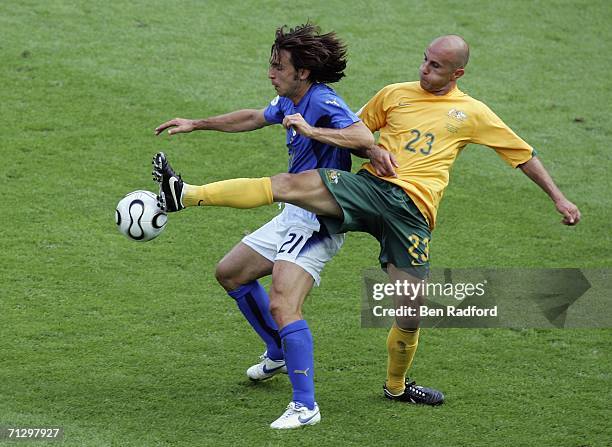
(426, 132)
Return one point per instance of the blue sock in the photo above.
(297, 346)
(254, 303)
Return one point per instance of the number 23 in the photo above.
(417, 136)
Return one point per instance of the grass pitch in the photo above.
(128, 344)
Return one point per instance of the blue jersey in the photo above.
(320, 107)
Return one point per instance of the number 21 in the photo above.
(292, 237)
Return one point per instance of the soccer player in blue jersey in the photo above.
(395, 197)
(291, 246)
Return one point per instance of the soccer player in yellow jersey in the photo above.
(423, 126)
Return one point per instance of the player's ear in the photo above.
(458, 73)
(303, 73)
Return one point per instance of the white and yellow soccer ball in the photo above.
(139, 218)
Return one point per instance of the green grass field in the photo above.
(127, 344)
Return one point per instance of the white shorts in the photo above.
(282, 241)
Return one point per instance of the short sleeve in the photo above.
(491, 131)
(374, 113)
(274, 113)
(339, 114)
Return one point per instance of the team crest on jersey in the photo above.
(457, 115)
(332, 176)
(456, 119)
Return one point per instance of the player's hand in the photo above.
(177, 125)
(569, 211)
(299, 124)
(384, 162)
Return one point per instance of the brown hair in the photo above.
(323, 54)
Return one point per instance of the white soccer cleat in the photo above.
(297, 415)
(266, 368)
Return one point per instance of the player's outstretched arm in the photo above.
(535, 170)
(238, 121)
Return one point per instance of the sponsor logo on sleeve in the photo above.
(332, 102)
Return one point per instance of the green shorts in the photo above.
(383, 210)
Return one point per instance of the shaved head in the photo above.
(444, 62)
(455, 49)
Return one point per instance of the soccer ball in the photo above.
(138, 217)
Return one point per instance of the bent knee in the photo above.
(284, 314)
(227, 276)
(277, 310)
(283, 305)
(282, 185)
(290, 186)
(282, 287)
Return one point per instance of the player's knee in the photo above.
(277, 310)
(282, 310)
(226, 276)
(289, 186)
(283, 316)
(282, 185)
(279, 288)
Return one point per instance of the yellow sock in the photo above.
(401, 347)
(235, 193)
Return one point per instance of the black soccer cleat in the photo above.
(416, 394)
(170, 184)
